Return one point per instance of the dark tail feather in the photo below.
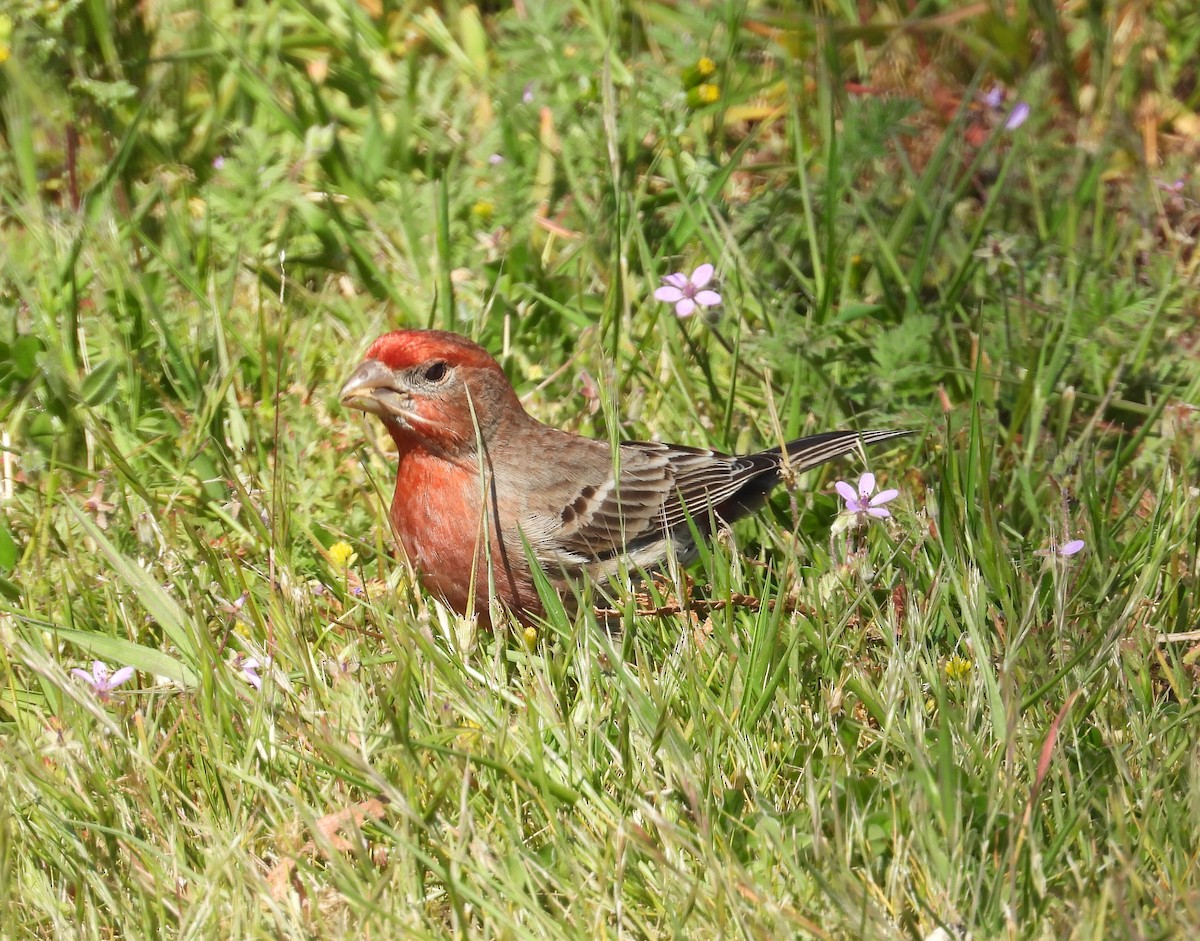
(806, 453)
(802, 454)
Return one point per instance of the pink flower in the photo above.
(101, 682)
(1066, 550)
(860, 503)
(1018, 116)
(247, 669)
(994, 101)
(687, 292)
(250, 673)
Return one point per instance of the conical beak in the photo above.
(372, 388)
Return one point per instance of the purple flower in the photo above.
(993, 100)
(1018, 116)
(687, 292)
(527, 93)
(860, 503)
(1066, 550)
(218, 162)
(247, 668)
(495, 160)
(101, 681)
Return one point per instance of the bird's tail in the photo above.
(805, 453)
(800, 455)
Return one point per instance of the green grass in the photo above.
(208, 211)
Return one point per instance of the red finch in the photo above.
(479, 480)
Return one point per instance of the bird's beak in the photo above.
(372, 388)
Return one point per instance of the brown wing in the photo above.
(637, 515)
(660, 486)
(605, 517)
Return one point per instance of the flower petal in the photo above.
(1018, 116)
(846, 492)
(248, 668)
(676, 280)
(702, 275)
(99, 671)
(708, 298)
(884, 496)
(668, 293)
(1071, 547)
(879, 512)
(123, 675)
(866, 484)
(685, 308)
(83, 675)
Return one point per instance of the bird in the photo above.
(484, 490)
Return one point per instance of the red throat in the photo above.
(438, 515)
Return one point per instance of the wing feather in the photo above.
(660, 485)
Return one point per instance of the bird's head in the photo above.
(433, 388)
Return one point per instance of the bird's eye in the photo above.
(435, 372)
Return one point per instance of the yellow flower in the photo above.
(958, 669)
(704, 94)
(483, 211)
(531, 636)
(468, 733)
(342, 555)
(703, 70)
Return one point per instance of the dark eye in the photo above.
(435, 372)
